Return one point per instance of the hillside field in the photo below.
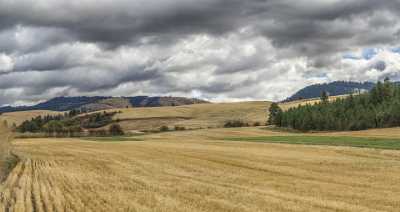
(238, 169)
(291, 104)
(201, 171)
(197, 116)
(193, 116)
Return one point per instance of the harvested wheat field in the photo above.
(197, 171)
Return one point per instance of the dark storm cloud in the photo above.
(211, 46)
(120, 22)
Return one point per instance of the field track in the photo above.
(184, 172)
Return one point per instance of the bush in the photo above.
(164, 128)
(235, 123)
(180, 128)
(257, 124)
(100, 133)
(116, 130)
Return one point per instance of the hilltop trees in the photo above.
(377, 109)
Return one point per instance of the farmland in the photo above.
(206, 167)
(192, 116)
(200, 171)
(195, 116)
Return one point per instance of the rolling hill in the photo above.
(334, 89)
(192, 116)
(102, 102)
(195, 116)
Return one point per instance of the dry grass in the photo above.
(196, 171)
(287, 105)
(192, 116)
(19, 117)
(5, 149)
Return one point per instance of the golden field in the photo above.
(192, 116)
(197, 171)
(195, 116)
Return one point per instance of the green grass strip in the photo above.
(364, 142)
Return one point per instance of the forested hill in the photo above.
(334, 89)
(379, 108)
(102, 102)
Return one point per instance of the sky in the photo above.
(218, 50)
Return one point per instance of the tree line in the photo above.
(72, 124)
(378, 108)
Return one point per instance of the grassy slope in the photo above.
(193, 116)
(190, 116)
(196, 171)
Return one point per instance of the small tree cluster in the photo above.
(235, 123)
(69, 124)
(179, 128)
(275, 113)
(164, 128)
(113, 130)
(116, 130)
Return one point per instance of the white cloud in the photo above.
(214, 49)
(6, 63)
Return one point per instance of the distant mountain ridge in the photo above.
(95, 103)
(334, 89)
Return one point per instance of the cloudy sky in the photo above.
(220, 50)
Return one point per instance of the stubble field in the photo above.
(199, 171)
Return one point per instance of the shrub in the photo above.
(164, 128)
(257, 124)
(116, 130)
(180, 128)
(99, 133)
(235, 123)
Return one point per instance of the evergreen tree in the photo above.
(376, 109)
(324, 96)
(116, 130)
(275, 114)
